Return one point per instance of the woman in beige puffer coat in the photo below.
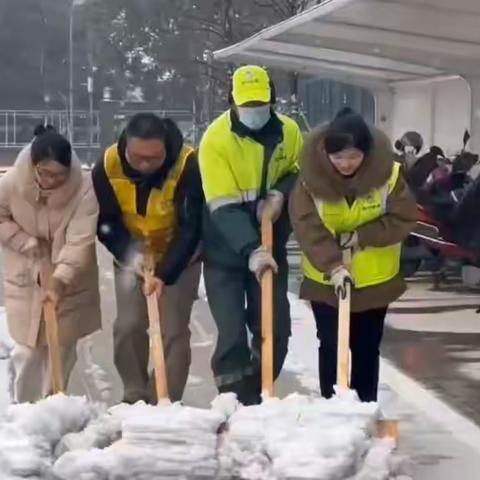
(48, 221)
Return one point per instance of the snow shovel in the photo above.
(385, 428)
(53, 342)
(155, 333)
(156, 339)
(267, 311)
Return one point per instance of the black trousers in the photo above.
(366, 332)
(234, 297)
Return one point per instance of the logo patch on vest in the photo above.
(280, 154)
(370, 202)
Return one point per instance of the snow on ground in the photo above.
(296, 438)
(29, 433)
(306, 438)
(166, 441)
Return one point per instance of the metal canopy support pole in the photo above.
(70, 72)
(474, 83)
(433, 114)
(384, 109)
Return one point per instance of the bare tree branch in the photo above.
(218, 33)
(271, 4)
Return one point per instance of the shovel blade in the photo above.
(388, 429)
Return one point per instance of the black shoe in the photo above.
(253, 390)
(131, 400)
(247, 391)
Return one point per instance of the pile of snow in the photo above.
(185, 438)
(295, 438)
(119, 463)
(29, 433)
(171, 441)
(100, 432)
(302, 437)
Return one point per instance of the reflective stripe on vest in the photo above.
(245, 196)
(158, 225)
(370, 266)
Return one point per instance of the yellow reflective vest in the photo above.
(158, 224)
(370, 266)
(231, 165)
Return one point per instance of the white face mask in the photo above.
(255, 118)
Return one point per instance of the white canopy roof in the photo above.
(371, 41)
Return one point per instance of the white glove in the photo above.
(348, 241)
(273, 203)
(260, 261)
(341, 280)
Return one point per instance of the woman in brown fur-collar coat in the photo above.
(351, 196)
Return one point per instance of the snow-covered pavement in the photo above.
(438, 432)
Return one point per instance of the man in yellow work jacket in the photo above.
(150, 195)
(248, 159)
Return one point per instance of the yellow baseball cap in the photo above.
(251, 84)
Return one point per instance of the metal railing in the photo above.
(16, 126)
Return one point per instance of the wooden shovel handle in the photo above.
(343, 352)
(54, 352)
(53, 342)
(343, 355)
(155, 332)
(267, 311)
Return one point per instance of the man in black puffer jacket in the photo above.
(150, 193)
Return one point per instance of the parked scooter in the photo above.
(429, 245)
(433, 244)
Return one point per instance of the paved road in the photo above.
(434, 337)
